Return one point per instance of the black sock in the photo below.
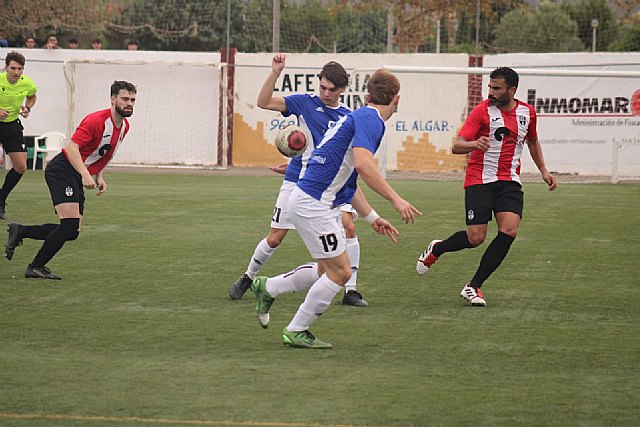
(36, 232)
(67, 230)
(455, 242)
(492, 258)
(10, 181)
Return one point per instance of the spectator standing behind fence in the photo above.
(30, 42)
(132, 45)
(96, 44)
(3, 42)
(73, 43)
(80, 165)
(52, 42)
(493, 135)
(15, 88)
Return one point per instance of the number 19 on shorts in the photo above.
(329, 242)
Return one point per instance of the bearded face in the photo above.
(124, 102)
(124, 112)
(498, 92)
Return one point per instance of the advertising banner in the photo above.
(586, 125)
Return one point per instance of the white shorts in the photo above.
(280, 218)
(350, 209)
(319, 226)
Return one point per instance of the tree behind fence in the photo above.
(346, 26)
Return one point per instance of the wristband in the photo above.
(372, 217)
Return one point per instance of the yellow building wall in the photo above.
(250, 148)
(422, 156)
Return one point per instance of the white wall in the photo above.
(176, 115)
(573, 143)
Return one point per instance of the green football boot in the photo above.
(303, 339)
(263, 300)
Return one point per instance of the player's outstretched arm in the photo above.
(368, 170)
(361, 204)
(382, 226)
(379, 225)
(279, 169)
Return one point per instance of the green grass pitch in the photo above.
(140, 330)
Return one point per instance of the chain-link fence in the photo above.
(344, 26)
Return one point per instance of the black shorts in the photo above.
(11, 137)
(501, 196)
(64, 182)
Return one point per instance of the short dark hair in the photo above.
(96, 41)
(52, 35)
(119, 85)
(16, 57)
(382, 87)
(132, 42)
(510, 77)
(73, 40)
(335, 73)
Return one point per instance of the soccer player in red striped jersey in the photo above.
(493, 135)
(80, 165)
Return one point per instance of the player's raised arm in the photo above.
(266, 99)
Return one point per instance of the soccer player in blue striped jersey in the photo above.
(315, 114)
(345, 153)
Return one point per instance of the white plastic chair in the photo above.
(53, 143)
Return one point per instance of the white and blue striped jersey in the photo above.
(331, 165)
(315, 118)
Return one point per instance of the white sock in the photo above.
(353, 250)
(296, 280)
(260, 256)
(316, 302)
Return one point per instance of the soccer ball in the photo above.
(291, 141)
